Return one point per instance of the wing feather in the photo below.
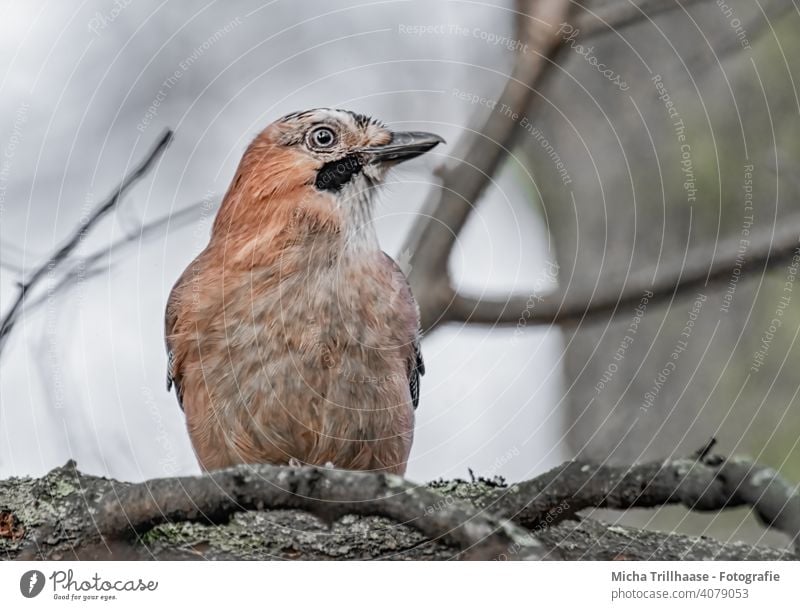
(416, 365)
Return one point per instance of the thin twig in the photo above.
(77, 236)
(86, 268)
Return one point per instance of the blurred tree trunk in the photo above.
(664, 388)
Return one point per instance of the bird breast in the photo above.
(307, 360)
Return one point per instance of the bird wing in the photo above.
(173, 376)
(416, 365)
(416, 370)
(171, 318)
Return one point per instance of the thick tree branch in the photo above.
(704, 482)
(63, 252)
(533, 519)
(480, 153)
(328, 494)
(484, 147)
(767, 249)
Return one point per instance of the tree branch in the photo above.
(484, 147)
(703, 482)
(82, 229)
(86, 267)
(328, 494)
(482, 151)
(534, 519)
(767, 249)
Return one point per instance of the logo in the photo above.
(31, 583)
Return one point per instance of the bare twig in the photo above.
(87, 266)
(328, 494)
(82, 229)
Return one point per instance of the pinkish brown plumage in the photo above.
(292, 336)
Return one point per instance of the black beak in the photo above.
(405, 145)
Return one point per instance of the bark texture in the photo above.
(268, 512)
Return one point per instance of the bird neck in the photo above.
(354, 205)
(303, 230)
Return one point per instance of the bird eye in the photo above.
(322, 137)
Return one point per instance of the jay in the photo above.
(292, 337)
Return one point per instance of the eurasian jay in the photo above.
(293, 338)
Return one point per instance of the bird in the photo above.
(293, 338)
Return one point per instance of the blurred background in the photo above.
(600, 185)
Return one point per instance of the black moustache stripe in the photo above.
(335, 174)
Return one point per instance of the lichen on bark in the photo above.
(56, 512)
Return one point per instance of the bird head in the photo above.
(340, 147)
(316, 170)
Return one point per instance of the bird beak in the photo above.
(404, 145)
